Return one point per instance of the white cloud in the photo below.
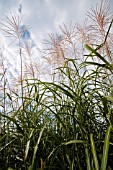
(44, 16)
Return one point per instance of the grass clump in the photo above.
(67, 122)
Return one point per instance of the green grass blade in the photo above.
(87, 158)
(66, 92)
(73, 141)
(96, 53)
(28, 144)
(12, 119)
(35, 149)
(106, 148)
(108, 31)
(109, 98)
(65, 143)
(94, 152)
(96, 64)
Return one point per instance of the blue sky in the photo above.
(43, 17)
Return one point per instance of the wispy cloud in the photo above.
(44, 16)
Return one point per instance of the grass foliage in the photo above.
(65, 123)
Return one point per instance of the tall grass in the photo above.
(65, 123)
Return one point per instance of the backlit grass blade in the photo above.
(6, 145)
(94, 152)
(96, 53)
(106, 148)
(28, 144)
(73, 142)
(35, 149)
(66, 143)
